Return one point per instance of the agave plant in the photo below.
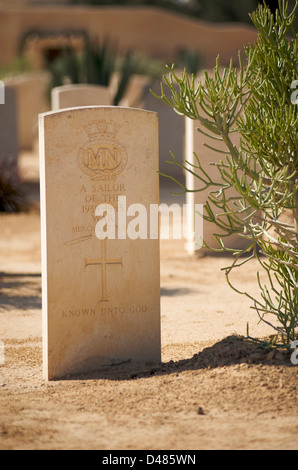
(96, 65)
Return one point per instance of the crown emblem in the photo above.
(102, 157)
(102, 128)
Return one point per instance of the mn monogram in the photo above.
(102, 157)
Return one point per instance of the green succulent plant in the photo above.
(255, 100)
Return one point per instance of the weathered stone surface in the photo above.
(101, 298)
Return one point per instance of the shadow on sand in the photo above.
(20, 291)
(227, 352)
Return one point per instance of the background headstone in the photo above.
(2, 92)
(72, 96)
(31, 101)
(101, 298)
(171, 131)
(9, 136)
(137, 88)
(195, 143)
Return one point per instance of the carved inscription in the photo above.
(78, 312)
(90, 312)
(103, 262)
(107, 193)
(102, 157)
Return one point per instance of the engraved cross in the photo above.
(103, 262)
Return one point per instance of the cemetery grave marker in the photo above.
(195, 145)
(101, 297)
(72, 96)
(9, 135)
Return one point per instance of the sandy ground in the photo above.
(213, 389)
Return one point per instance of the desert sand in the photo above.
(213, 389)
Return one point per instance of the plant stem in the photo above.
(296, 210)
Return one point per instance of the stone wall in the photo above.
(152, 31)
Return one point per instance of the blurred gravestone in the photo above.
(9, 139)
(72, 96)
(195, 145)
(171, 132)
(31, 101)
(2, 92)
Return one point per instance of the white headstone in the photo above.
(72, 96)
(101, 297)
(2, 92)
(171, 128)
(195, 144)
(31, 101)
